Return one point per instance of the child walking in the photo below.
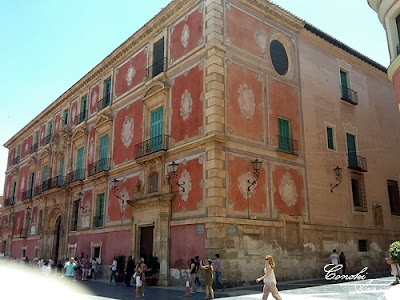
(269, 279)
(208, 278)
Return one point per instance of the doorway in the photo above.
(146, 241)
(57, 235)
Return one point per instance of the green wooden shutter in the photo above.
(107, 92)
(343, 81)
(45, 172)
(329, 136)
(79, 164)
(156, 129)
(100, 210)
(158, 57)
(50, 128)
(61, 178)
(284, 135)
(83, 108)
(351, 150)
(31, 178)
(103, 153)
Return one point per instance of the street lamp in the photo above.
(256, 164)
(338, 176)
(172, 169)
(80, 198)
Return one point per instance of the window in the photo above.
(158, 57)
(96, 251)
(393, 193)
(98, 221)
(75, 212)
(344, 85)
(37, 252)
(156, 129)
(103, 165)
(351, 150)
(31, 180)
(83, 114)
(40, 222)
(107, 93)
(65, 117)
(79, 164)
(45, 173)
(17, 158)
(358, 192)
(398, 34)
(23, 253)
(61, 172)
(153, 182)
(362, 246)
(13, 200)
(279, 57)
(284, 141)
(329, 138)
(72, 250)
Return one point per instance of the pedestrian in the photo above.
(26, 260)
(113, 270)
(343, 262)
(334, 257)
(40, 264)
(192, 278)
(144, 269)
(138, 278)
(70, 267)
(218, 272)
(46, 269)
(130, 269)
(269, 279)
(208, 278)
(85, 267)
(52, 263)
(94, 267)
(197, 280)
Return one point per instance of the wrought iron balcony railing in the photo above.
(16, 160)
(357, 162)
(287, 145)
(9, 201)
(47, 139)
(103, 103)
(155, 144)
(34, 148)
(52, 183)
(99, 166)
(75, 176)
(81, 117)
(37, 190)
(98, 221)
(349, 95)
(24, 233)
(157, 68)
(27, 194)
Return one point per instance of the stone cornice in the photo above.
(158, 23)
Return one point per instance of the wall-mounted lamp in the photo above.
(114, 187)
(338, 175)
(172, 169)
(256, 164)
(80, 198)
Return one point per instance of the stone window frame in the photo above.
(24, 250)
(37, 253)
(288, 45)
(92, 247)
(333, 127)
(72, 247)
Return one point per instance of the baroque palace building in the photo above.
(228, 127)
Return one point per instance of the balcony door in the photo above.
(100, 210)
(79, 164)
(60, 178)
(284, 135)
(103, 153)
(158, 57)
(343, 81)
(351, 150)
(156, 129)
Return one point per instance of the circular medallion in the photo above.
(130, 74)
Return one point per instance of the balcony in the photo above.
(75, 176)
(357, 162)
(24, 232)
(16, 160)
(27, 194)
(52, 183)
(157, 68)
(349, 95)
(287, 145)
(9, 201)
(47, 139)
(34, 148)
(98, 221)
(158, 143)
(37, 190)
(81, 117)
(103, 103)
(99, 166)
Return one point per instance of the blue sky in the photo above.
(48, 45)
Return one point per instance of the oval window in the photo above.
(279, 57)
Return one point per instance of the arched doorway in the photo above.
(56, 241)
